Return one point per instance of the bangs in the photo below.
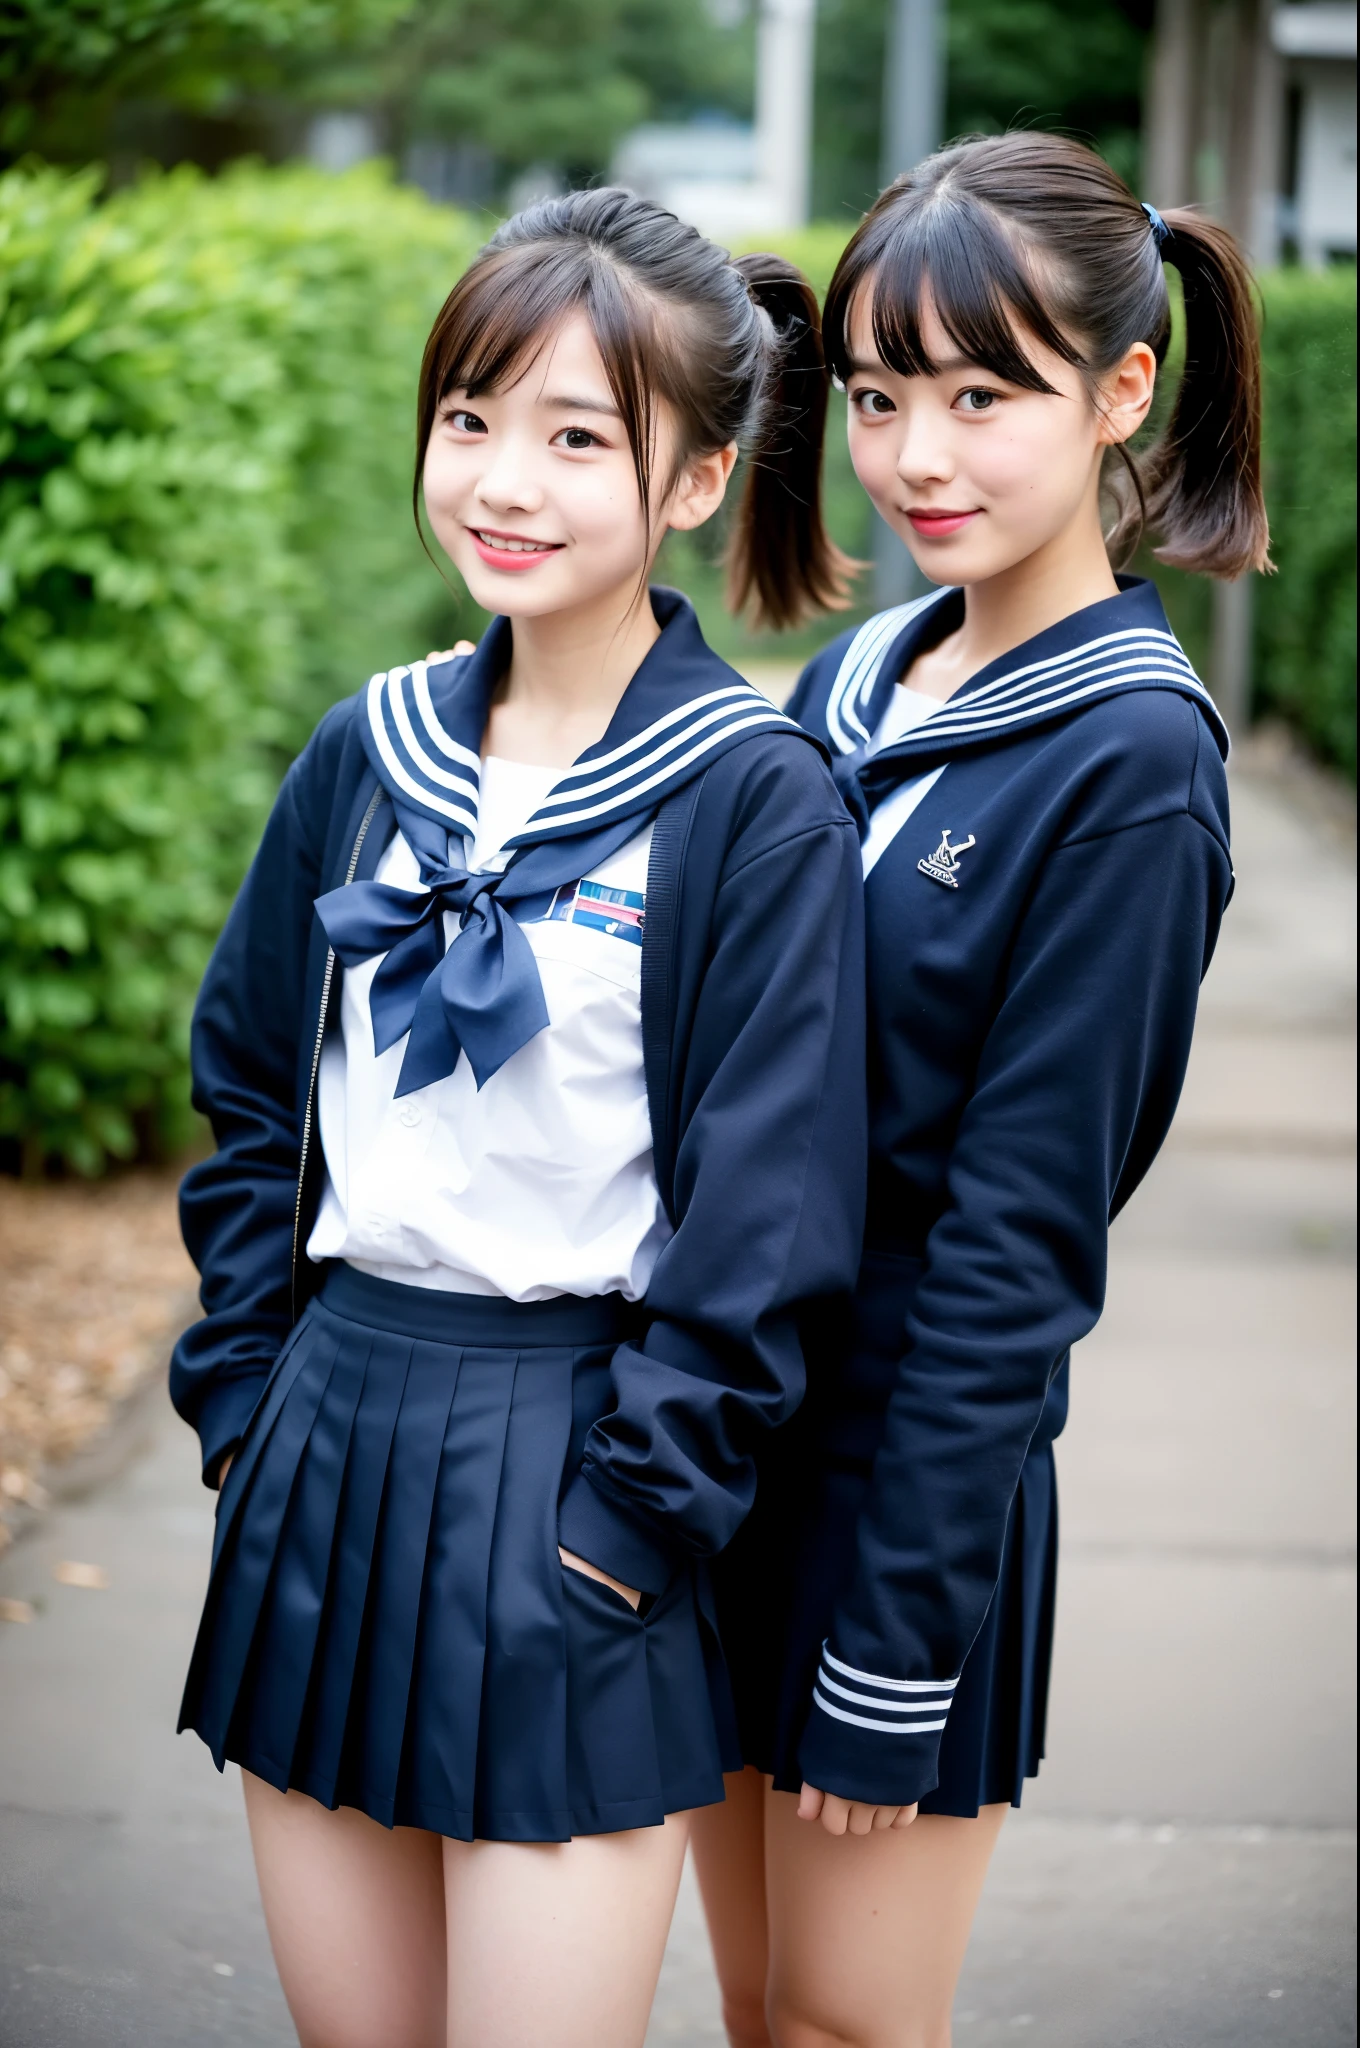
(953, 253)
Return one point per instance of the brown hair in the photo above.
(1037, 232)
(733, 349)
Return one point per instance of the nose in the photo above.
(508, 483)
(923, 451)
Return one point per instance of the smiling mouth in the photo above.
(939, 523)
(512, 543)
(943, 521)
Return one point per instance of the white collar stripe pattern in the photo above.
(577, 785)
(742, 691)
(443, 778)
(888, 1684)
(420, 680)
(457, 814)
(1109, 662)
(541, 820)
(408, 734)
(878, 1727)
(859, 669)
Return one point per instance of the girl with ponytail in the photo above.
(1038, 779)
(533, 1050)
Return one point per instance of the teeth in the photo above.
(512, 547)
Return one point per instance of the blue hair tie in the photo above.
(1161, 233)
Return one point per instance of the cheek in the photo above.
(873, 454)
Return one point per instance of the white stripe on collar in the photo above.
(1097, 667)
(404, 724)
(859, 671)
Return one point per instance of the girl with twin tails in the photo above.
(533, 1048)
(1038, 778)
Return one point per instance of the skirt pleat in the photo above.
(246, 1548)
(450, 1658)
(388, 1625)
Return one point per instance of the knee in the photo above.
(744, 2019)
(793, 2026)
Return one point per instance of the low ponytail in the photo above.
(1203, 477)
(781, 561)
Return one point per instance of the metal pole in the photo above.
(784, 52)
(913, 124)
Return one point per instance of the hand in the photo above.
(223, 1470)
(851, 1816)
(574, 1563)
(452, 653)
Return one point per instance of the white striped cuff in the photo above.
(889, 1706)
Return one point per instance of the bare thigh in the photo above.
(356, 1920)
(868, 1932)
(559, 1942)
(729, 1856)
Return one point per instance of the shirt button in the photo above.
(410, 1116)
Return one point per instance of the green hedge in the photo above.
(1305, 615)
(206, 427)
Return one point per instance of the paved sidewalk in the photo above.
(1181, 1876)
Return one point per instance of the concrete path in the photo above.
(1181, 1876)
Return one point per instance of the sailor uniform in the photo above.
(540, 1182)
(387, 1623)
(1042, 903)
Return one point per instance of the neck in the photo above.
(1063, 576)
(567, 673)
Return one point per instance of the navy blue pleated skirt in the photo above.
(388, 1625)
(778, 1583)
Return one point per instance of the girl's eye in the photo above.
(976, 400)
(578, 437)
(466, 422)
(873, 404)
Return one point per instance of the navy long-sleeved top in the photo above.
(1037, 930)
(752, 1022)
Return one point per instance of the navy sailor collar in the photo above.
(424, 725)
(1119, 644)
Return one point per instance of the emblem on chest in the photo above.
(943, 864)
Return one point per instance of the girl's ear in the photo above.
(1126, 395)
(703, 482)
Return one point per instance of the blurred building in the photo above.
(1251, 113)
(730, 180)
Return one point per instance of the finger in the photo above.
(905, 1816)
(810, 1802)
(835, 1814)
(861, 1818)
(885, 1817)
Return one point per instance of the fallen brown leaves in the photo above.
(94, 1283)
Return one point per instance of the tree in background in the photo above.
(67, 66)
(522, 84)
(1074, 64)
(506, 82)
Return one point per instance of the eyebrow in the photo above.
(566, 403)
(856, 368)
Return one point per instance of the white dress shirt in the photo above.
(541, 1182)
(905, 711)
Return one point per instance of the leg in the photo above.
(559, 1942)
(356, 1921)
(867, 1933)
(729, 1856)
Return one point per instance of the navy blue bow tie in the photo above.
(483, 995)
